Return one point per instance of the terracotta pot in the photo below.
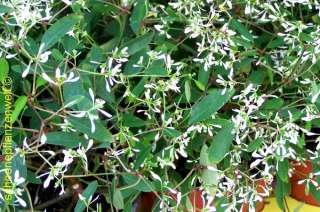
(146, 201)
(298, 190)
(260, 185)
(197, 200)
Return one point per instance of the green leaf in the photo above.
(210, 180)
(118, 199)
(275, 43)
(139, 43)
(255, 144)
(173, 133)
(221, 143)
(131, 120)
(89, 191)
(291, 112)
(5, 9)
(239, 27)
(141, 157)
(4, 69)
(18, 107)
(32, 178)
(66, 139)
(281, 190)
(187, 90)
(40, 82)
(76, 89)
(204, 158)
(243, 42)
(58, 30)
(130, 67)
(257, 77)
(83, 125)
(137, 183)
(315, 192)
(272, 104)
(17, 164)
(200, 85)
(139, 12)
(245, 65)
(208, 176)
(283, 169)
(156, 68)
(221, 203)
(204, 75)
(209, 105)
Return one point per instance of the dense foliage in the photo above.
(114, 98)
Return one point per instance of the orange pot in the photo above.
(298, 190)
(261, 184)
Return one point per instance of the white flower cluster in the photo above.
(61, 167)
(111, 69)
(25, 14)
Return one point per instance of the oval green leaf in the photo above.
(89, 191)
(83, 125)
(18, 107)
(58, 30)
(139, 12)
(66, 139)
(221, 143)
(4, 69)
(209, 105)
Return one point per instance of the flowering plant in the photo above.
(116, 98)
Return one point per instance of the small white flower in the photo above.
(43, 58)
(97, 104)
(60, 78)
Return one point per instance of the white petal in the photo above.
(26, 71)
(16, 175)
(110, 81)
(58, 73)
(47, 78)
(71, 75)
(93, 127)
(46, 182)
(25, 144)
(90, 144)
(105, 113)
(9, 56)
(79, 114)
(43, 138)
(67, 2)
(91, 94)
(108, 87)
(22, 202)
(82, 198)
(255, 163)
(73, 80)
